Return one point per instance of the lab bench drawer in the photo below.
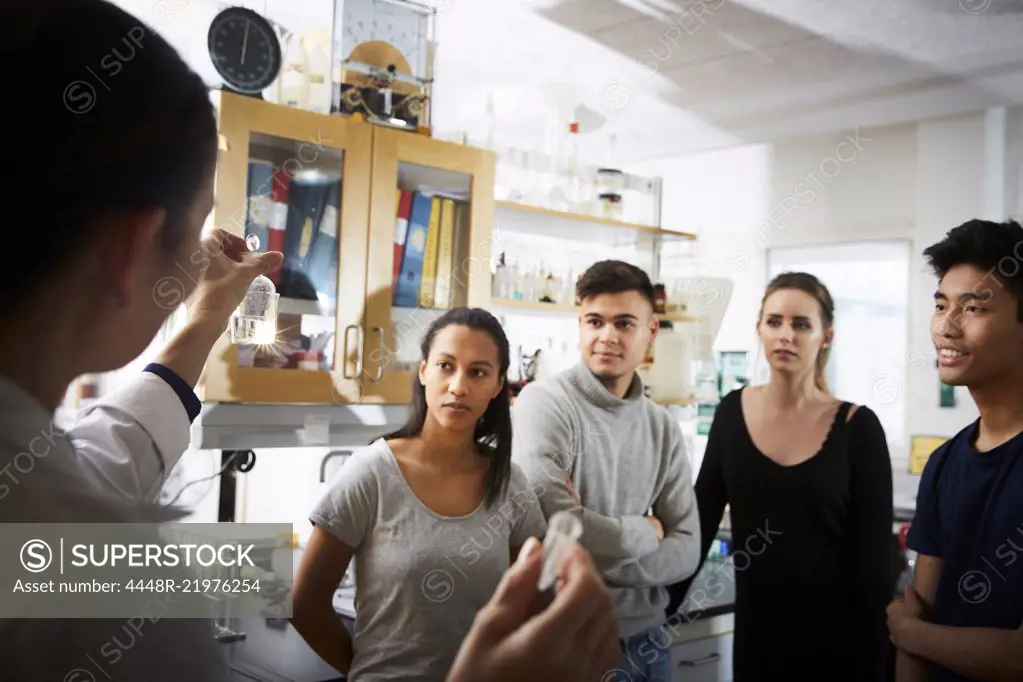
(703, 660)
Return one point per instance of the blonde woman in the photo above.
(808, 481)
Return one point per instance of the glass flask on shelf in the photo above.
(541, 180)
(518, 176)
(505, 176)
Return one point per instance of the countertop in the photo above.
(270, 653)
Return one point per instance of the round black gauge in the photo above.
(244, 49)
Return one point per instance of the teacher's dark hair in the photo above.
(494, 430)
(111, 120)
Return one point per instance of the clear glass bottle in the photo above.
(574, 181)
(255, 320)
(499, 286)
(516, 282)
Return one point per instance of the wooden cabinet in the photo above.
(325, 190)
(458, 181)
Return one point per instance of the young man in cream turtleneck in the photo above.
(592, 443)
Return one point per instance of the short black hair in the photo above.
(996, 248)
(111, 120)
(614, 277)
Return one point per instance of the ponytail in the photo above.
(820, 378)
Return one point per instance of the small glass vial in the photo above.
(563, 528)
(660, 298)
(611, 206)
(255, 320)
(610, 181)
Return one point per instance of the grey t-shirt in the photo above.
(420, 577)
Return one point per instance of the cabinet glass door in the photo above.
(429, 250)
(294, 181)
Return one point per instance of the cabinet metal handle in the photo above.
(380, 359)
(344, 355)
(709, 658)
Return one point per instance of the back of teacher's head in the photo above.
(109, 145)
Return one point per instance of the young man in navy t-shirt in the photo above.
(962, 619)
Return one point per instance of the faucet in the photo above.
(343, 454)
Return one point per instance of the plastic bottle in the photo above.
(320, 87)
(670, 376)
(293, 84)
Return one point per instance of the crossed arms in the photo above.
(625, 548)
(988, 654)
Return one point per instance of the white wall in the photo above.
(743, 201)
(859, 184)
(950, 168)
(283, 487)
(723, 196)
(913, 181)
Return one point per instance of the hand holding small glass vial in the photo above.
(562, 530)
(255, 320)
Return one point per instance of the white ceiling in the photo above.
(747, 71)
(670, 82)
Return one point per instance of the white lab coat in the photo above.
(131, 440)
(121, 451)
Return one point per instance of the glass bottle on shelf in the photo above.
(500, 284)
(558, 196)
(540, 180)
(576, 191)
(529, 285)
(547, 288)
(609, 185)
(660, 299)
(643, 205)
(488, 141)
(516, 281)
(567, 295)
(516, 174)
(505, 177)
(564, 196)
(554, 287)
(677, 298)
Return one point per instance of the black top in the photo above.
(811, 549)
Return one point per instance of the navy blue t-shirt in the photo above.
(969, 512)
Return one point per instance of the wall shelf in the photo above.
(676, 317)
(668, 402)
(533, 306)
(608, 230)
